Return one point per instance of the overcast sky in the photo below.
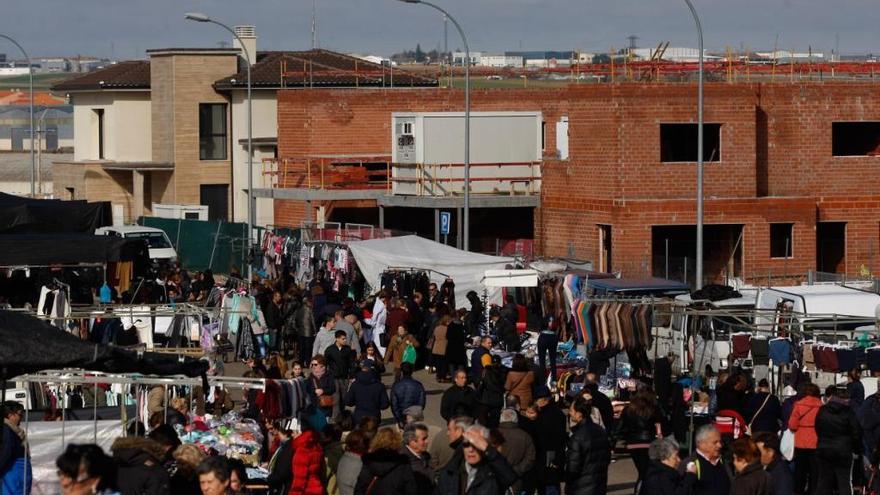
(124, 29)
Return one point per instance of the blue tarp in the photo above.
(638, 286)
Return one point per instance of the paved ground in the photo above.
(621, 475)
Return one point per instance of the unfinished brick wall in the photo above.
(776, 162)
(358, 121)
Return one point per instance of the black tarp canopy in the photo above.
(19, 215)
(47, 249)
(29, 345)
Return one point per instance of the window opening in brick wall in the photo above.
(678, 142)
(781, 240)
(212, 131)
(831, 247)
(855, 138)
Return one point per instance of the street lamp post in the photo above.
(31, 88)
(198, 17)
(467, 121)
(699, 282)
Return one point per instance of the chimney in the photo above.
(248, 35)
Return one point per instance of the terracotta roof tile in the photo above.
(131, 74)
(319, 68)
(272, 70)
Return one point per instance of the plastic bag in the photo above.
(409, 354)
(786, 445)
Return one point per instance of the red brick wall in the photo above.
(799, 141)
(358, 121)
(615, 140)
(776, 163)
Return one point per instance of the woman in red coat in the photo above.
(307, 464)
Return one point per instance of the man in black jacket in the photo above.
(493, 474)
(839, 441)
(367, 394)
(415, 448)
(274, 314)
(458, 400)
(341, 365)
(713, 474)
(504, 331)
(550, 440)
(589, 453)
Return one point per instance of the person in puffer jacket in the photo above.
(803, 424)
(139, 466)
(367, 394)
(589, 453)
(839, 442)
(307, 464)
(405, 393)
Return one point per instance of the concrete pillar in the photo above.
(381, 217)
(436, 225)
(137, 180)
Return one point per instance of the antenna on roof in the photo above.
(314, 24)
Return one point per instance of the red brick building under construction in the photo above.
(792, 173)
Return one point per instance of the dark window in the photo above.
(781, 239)
(855, 138)
(544, 136)
(216, 198)
(678, 142)
(99, 113)
(212, 131)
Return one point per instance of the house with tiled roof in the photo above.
(173, 129)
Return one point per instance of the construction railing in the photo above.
(361, 171)
(375, 171)
(419, 179)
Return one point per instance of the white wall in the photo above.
(265, 124)
(127, 128)
(23, 188)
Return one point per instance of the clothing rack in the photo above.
(57, 265)
(82, 377)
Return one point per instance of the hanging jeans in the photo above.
(547, 343)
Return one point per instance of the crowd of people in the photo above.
(506, 430)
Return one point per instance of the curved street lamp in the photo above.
(699, 281)
(199, 17)
(31, 88)
(467, 122)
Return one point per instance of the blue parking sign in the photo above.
(445, 220)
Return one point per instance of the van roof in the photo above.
(824, 299)
(125, 229)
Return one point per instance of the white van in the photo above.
(160, 246)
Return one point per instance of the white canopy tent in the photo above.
(466, 269)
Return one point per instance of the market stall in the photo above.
(439, 261)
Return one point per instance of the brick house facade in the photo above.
(790, 183)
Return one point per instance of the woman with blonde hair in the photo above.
(177, 413)
(183, 474)
(385, 470)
